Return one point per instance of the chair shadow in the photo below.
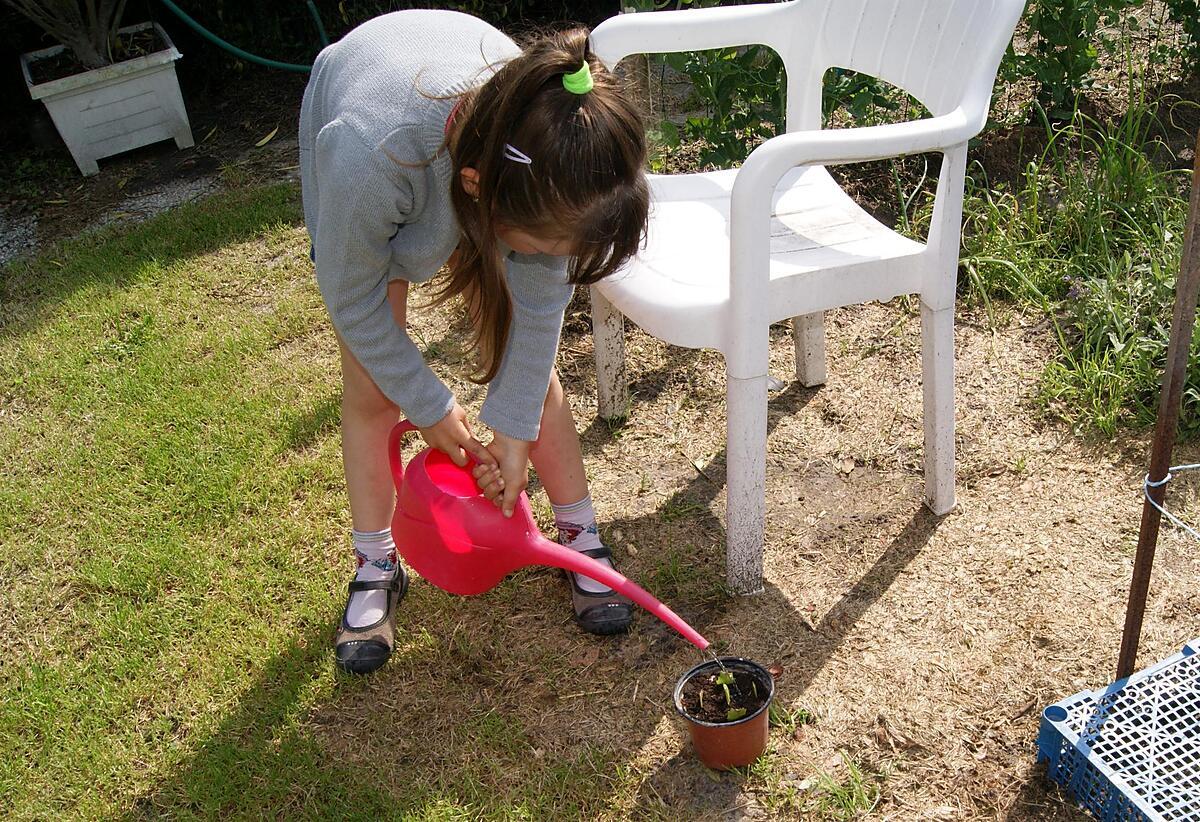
(115, 258)
(682, 784)
(695, 790)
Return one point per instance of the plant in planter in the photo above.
(726, 704)
(108, 89)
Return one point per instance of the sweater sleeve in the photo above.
(364, 201)
(540, 293)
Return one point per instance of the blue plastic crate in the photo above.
(1132, 750)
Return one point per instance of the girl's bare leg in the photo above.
(559, 462)
(556, 455)
(367, 418)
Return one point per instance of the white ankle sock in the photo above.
(375, 553)
(577, 529)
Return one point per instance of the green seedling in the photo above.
(790, 718)
(725, 679)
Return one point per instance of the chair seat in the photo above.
(826, 251)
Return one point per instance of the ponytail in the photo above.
(583, 182)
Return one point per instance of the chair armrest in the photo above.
(750, 206)
(688, 30)
(770, 161)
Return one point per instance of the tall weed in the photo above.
(1090, 196)
(1114, 349)
(1092, 234)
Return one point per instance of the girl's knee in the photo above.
(365, 400)
(361, 397)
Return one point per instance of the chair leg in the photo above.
(608, 335)
(808, 336)
(937, 377)
(746, 452)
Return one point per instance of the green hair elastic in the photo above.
(579, 82)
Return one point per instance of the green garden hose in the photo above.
(245, 55)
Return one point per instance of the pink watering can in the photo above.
(451, 535)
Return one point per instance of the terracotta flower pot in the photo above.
(724, 745)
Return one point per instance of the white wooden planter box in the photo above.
(115, 108)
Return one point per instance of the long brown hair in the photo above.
(585, 184)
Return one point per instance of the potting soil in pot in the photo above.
(744, 693)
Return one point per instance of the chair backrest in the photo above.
(943, 52)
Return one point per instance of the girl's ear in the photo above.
(470, 182)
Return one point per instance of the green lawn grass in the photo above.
(172, 540)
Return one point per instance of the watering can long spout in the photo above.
(546, 552)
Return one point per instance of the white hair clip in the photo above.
(516, 155)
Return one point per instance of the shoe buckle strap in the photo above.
(360, 585)
(603, 552)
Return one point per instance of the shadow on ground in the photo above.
(115, 257)
(1041, 800)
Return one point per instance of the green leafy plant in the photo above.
(852, 797)
(862, 96)
(725, 679)
(1090, 234)
(1065, 39)
(1090, 195)
(1187, 14)
(789, 719)
(741, 93)
(1114, 344)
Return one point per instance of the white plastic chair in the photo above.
(730, 252)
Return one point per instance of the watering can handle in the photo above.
(398, 431)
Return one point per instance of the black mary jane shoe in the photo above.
(605, 612)
(361, 650)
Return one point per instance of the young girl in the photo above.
(427, 138)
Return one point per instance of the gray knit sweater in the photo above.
(378, 99)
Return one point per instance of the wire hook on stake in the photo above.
(1147, 485)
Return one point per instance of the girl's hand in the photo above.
(453, 436)
(503, 483)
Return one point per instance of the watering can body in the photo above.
(456, 539)
(447, 532)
